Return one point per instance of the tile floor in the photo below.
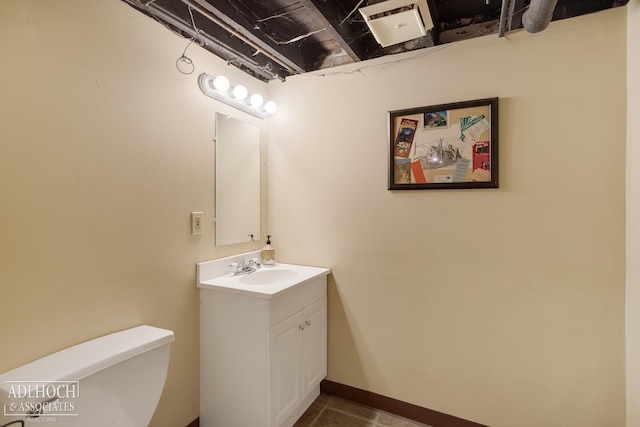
(330, 411)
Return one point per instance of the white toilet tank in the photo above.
(112, 381)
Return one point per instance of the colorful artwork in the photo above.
(404, 138)
(447, 146)
(435, 119)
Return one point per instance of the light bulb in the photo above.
(221, 83)
(270, 107)
(256, 100)
(240, 92)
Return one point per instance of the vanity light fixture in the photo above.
(237, 96)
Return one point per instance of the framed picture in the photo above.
(444, 146)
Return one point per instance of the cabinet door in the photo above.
(285, 368)
(314, 345)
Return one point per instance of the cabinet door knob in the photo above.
(301, 327)
(308, 323)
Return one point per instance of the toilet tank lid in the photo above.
(80, 361)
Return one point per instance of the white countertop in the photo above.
(234, 283)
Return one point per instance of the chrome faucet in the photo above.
(245, 267)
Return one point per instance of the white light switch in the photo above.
(196, 222)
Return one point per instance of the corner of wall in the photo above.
(632, 291)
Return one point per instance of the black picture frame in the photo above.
(444, 146)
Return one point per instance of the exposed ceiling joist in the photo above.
(279, 38)
(234, 28)
(331, 32)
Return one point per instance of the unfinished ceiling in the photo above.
(278, 38)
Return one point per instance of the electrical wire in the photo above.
(300, 37)
(351, 13)
(279, 15)
(21, 422)
(184, 59)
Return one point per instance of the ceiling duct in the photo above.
(397, 21)
(539, 15)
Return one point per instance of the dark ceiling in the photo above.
(278, 38)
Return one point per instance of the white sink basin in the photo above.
(267, 277)
(267, 282)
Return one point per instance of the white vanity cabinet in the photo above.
(297, 359)
(262, 355)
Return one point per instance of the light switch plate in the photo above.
(196, 222)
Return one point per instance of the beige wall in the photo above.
(633, 215)
(105, 150)
(505, 306)
(500, 306)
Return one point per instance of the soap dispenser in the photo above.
(268, 253)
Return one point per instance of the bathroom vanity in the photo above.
(263, 343)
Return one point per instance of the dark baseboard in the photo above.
(393, 406)
(195, 423)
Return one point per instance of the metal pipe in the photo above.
(539, 15)
(289, 66)
(503, 17)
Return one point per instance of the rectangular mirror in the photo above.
(237, 181)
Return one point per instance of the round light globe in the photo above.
(270, 107)
(221, 83)
(256, 100)
(240, 92)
